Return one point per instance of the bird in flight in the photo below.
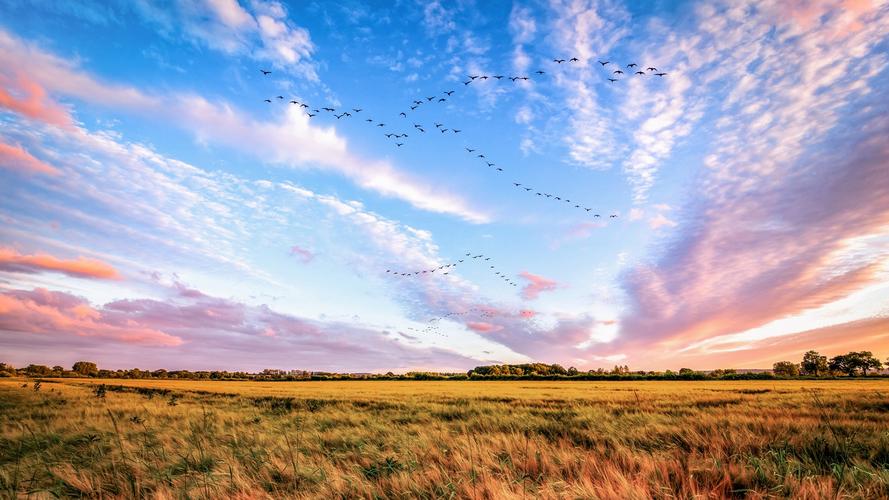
(267, 100)
(281, 97)
(310, 115)
(484, 77)
(539, 72)
(603, 63)
(467, 82)
(640, 72)
(660, 74)
(632, 65)
(369, 120)
(294, 102)
(613, 216)
(264, 72)
(650, 69)
(456, 131)
(573, 59)
(612, 80)
(403, 114)
(473, 77)
(470, 150)
(399, 144)
(327, 109)
(442, 99)
(498, 76)
(449, 92)
(618, 72)
(438, 125)
(357, 110)
(558, 61)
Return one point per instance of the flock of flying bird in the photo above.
(446, 268)
(432, 325)
(399, 137)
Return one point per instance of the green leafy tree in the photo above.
(785, 369)
(85, 368)
(854, 361)
(814, 364)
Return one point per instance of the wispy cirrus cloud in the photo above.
(259, 29)
(25, 96)
(15, 157)
(792, 208)
(81, 267)
(290, 140)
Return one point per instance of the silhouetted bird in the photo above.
(612, 80)
(470, 150)
(618, 72)
(603, 63)
(539, 72)
(456, 131)
(399, 144)
(498, 76)
(640, 72)
(264, 72)
(442, 99)
(559, 61)
(632, 65)
(573, 59)
(650, 69)
(467, 82)
(294, 102)
(357, 110)
(310, 115)
(267, 100)
(660, 74)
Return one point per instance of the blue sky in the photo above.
(158, 212)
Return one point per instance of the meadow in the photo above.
(456, 439)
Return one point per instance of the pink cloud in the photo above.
(304, 255)
(537, 285)
(483, 327)
(775, 251)
(659, 221)
(57, 314)
(17, 158)
(199, 331)
(27, 97)
(82, 267)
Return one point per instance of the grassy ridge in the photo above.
(154, 438)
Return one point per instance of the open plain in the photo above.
(457, 439)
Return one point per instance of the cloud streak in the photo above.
(81, 267)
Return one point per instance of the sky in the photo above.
(157, 212)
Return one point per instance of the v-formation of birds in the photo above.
(447, 268)
(399, 141)
(399, 137)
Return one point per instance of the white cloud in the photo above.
(291, 140)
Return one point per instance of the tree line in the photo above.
(813, 364)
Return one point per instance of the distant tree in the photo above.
(572, 371)
(85, 368)
(785, 369)
(686, 371)
(814, 364)
(37, 370)
(850, 363)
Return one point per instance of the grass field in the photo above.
(516, 439)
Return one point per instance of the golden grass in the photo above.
(466, 439)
